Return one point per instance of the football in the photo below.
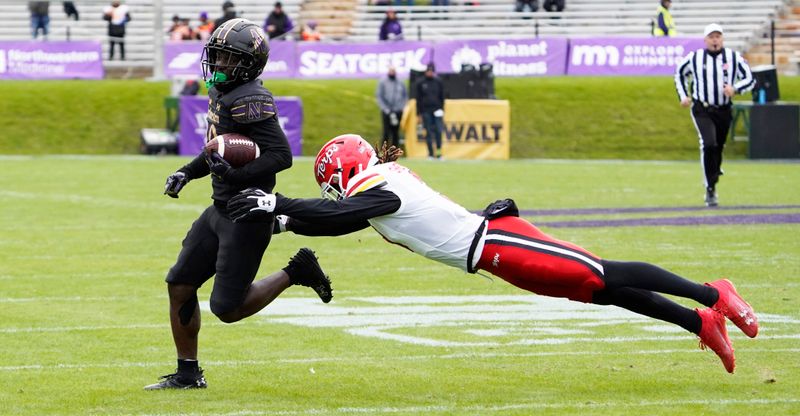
(237, 149)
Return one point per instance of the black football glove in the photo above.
(219, 167)
(252, 204)
(175, 183)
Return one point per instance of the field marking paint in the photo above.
(479, 409)
(486, 321)
(377, 359)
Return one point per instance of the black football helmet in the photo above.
(236, 53)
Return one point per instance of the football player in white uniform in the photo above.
(360, 190)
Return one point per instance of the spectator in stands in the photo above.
(278, 23)
(430, 110)
(205, 29)
(40, 18)
(228, 13)
(554, 5)
(71, 11)
(117, 15)
(664, 25)
(392, 97)
(180, 29)
(310, 32)
(401, 2)
(440, 2)
(391, 28)
(532, 5)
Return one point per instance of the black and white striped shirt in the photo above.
(708, 74)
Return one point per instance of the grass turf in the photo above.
(85, 243)
(554, 117)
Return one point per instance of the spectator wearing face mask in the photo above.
(392, 97)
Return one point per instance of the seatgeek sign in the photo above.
(509, 57)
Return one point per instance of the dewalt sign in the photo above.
(473, 129)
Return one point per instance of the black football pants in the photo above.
(215, 245)
(713, 124)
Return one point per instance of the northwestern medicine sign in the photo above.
(51, 60)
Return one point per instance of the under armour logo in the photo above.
(496, 260)
(264, 202)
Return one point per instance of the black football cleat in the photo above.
(304, 270)
(180, 382)
(711, 198)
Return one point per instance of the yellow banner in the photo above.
(473, 129)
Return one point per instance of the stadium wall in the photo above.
(551, 117)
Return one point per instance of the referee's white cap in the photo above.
(714, 27)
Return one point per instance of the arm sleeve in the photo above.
(682, 75)
(197, 168)
(746, 81)
(662, 24)
(325, 229)
(354, 210)
(379, 93)
(275, 153)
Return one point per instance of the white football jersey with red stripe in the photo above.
(427, 223)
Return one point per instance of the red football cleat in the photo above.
(714, 335)
(735, 308)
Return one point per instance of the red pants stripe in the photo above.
(519, 253)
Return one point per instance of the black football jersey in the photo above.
(248, 110)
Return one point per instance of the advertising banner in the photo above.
(360, 60)
(628, 56)
(193, 123)
(473, 129)
(51, 60)
(509, 58)
(183, 58)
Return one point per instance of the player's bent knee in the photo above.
(227, 312)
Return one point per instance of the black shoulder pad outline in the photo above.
(253, 108)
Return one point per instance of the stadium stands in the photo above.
(746, 21)
(787, 43)
(742, 19)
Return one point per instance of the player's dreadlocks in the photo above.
(389, 153)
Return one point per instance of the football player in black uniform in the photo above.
(234, 57)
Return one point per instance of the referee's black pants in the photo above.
(713, 124)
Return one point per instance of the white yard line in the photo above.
(377, 359)
(481, 409)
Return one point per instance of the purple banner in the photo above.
(509, 58)
(183, 58)
(193, 123)
(360, 60)
(628, 56)
(51, 60)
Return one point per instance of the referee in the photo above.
(707, 79)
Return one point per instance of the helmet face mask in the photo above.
(236, 53)
(339, 160)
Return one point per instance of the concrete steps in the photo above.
(334, 17)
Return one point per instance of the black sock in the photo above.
(618, 274)
(186, 366)
(650, 304)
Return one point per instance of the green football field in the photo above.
(85, 243)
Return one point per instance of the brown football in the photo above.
(237, 149)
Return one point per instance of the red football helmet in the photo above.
(339, 160)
